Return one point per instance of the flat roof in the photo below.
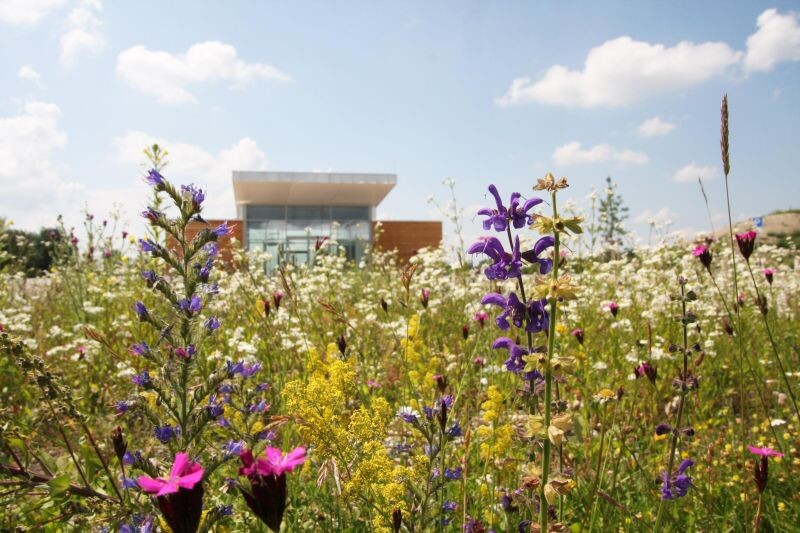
(311, 188)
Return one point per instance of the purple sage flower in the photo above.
(504, 265)
(532, 255)
(515, 361)
(499, 216)
(677, 485)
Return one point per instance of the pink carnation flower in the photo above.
(184, 474)
(764, 451)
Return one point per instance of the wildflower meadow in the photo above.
(521, 382)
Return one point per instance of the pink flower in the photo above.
(764, 451)
(704, 254)
(184, 474)
(769, 273)
(273, 462)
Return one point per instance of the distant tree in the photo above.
(31, 253)
(612, 215)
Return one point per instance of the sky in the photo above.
(480, 92)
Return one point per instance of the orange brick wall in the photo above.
(408, 237)
(195, 227)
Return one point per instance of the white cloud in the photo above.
(776, 40)
(572, 154)
(81, 32)
(692, 171)
(191, 163)
(26, 12)
(654, 127)
(28, 73)
(662, 216)
(621, 71)
(30, 181)
(166, 76)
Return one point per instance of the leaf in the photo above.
(58, 485)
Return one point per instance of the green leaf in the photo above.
(58, 485)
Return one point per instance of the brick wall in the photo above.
(408, 237)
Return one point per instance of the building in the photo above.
(291, 214)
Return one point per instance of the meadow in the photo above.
(148, 386)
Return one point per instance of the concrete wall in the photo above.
(408, 237)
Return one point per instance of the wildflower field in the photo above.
(146, 385)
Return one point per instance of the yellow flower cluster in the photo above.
(352, 436)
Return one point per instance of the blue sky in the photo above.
(481, 92)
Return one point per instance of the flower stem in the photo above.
(548, 374)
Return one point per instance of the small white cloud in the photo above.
(26, 12)
(663, 216)
(776, 40)
(82, 32)
(203, 62)
(28, 73)
(692, 171)
(654, 127)
(190, 162)
(572, 154)
(621, 71)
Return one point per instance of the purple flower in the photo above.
(250, 370)
(155, 179)
(455, 430)
(647, 370)
(122, 407)
(131, 458)
(223, 230)
(141, 380)
(211, 249)
(129, 483)
(517, 311)
(498, 217)
(141, 310)
(186, 353)
(677, 485)
(191, 305)
(149, 277)
(449, 506)
(139, 348)
(152, 215)
(234, 368)
(193, 194)
(532, 255)
(578, 334)
(204, 271)
(215, 409)
(211, 324)
(259, 407)
(166, 433)
(233, 448)
(148, 246)
(504, 265)
(453, 473)
(426, 295)
(515, 361)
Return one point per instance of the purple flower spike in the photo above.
(678, 485)
(141, 310)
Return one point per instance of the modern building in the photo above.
(291, 214)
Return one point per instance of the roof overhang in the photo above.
(311, 188)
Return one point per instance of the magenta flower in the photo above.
(769, 273)
(180, 495)
(764, 451)
(614, 308)
(761, 468)
(578, 334)
(426, 296)
(184, 474)
(267, 476)
(746, 242)
(704, 255)
(481, 317)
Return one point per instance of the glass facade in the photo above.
(290, 233)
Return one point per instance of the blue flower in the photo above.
(677, 485)
(148, 246)
(129, 483)
(150, 277)
(211, 323)
(211, 249)
(142, 380)
(141, 310)
(122, 406)
(250, 370)
(155, 179)
(166, 433)
(233, 447)
(449, 506)
(191, 305)
(455, 430)
(222, 230)
(215, 409)
(453, 473)
(193, 194)
(139, 348)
